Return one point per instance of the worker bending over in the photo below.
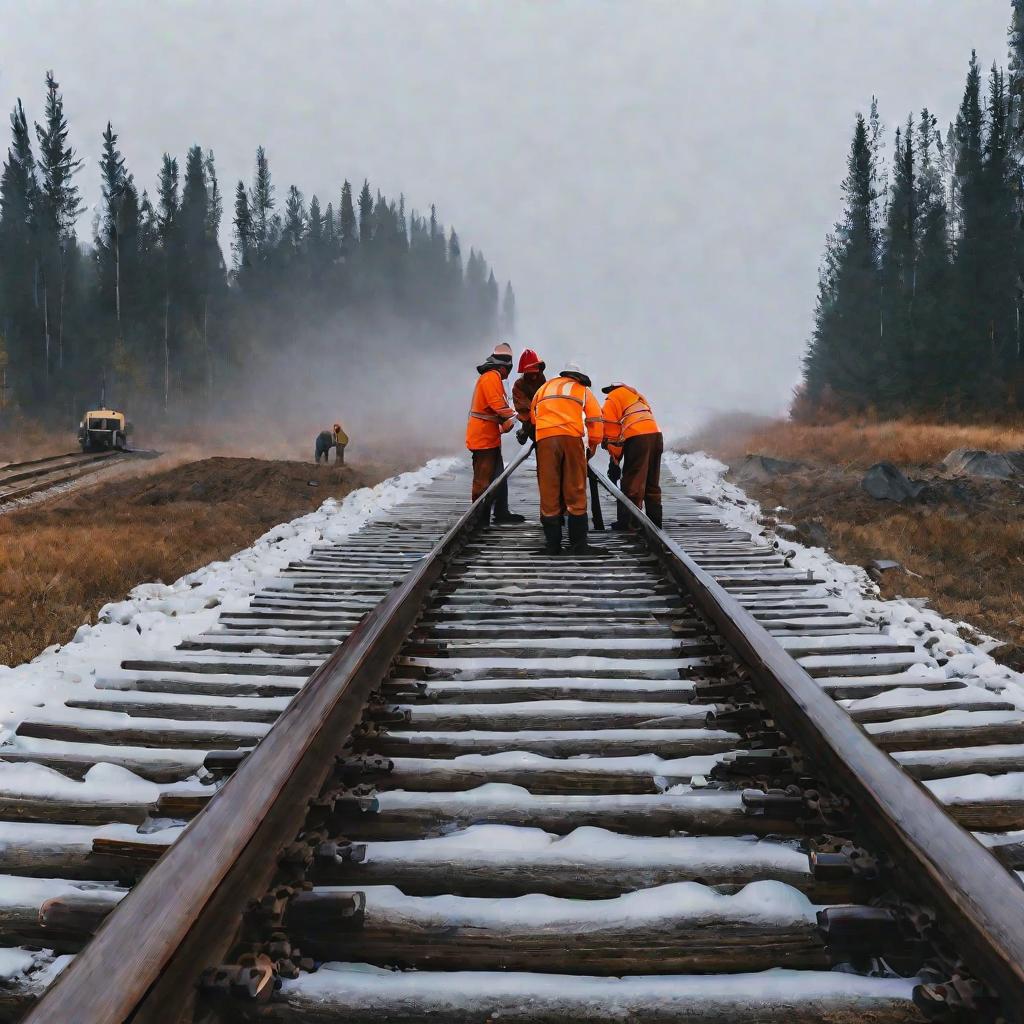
(328, 439)
(632, 434)
(490, 416)
(563, 409)
(532, 370)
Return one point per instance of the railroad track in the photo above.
(672, 782)
(21, 479)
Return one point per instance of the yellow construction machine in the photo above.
(103, 428)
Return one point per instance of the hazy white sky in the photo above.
(656, 177)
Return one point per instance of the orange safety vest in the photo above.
(563, 407)
(488, 410)
(627, 414)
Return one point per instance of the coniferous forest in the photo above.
(153, 309)
(920, 290)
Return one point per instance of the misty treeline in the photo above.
(153, 309)
(920, 291)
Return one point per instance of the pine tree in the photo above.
(365, 215)
(243, 228)
(845, 355)
(59, 207)
(261, 205)
(107, 241)
(316, 245)
(491, 306)
(347, 227)
(969, 224)
(19, 261)
(1000, 243)
(935, 349)
(193, 214)
(898, 267)
(294, 223)
(330, 234)
(168, 207)
(508, 312)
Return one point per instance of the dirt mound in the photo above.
(268, 491)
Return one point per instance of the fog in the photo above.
(656, 178)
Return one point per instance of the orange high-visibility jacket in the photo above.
(488, 410)
(563, 407)
(626, 414)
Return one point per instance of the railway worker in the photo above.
(324, 443)
(340, 441)
(562, 411)
(490, 416)
(630, 429)
(531, 369)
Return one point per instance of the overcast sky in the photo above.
(656, 177)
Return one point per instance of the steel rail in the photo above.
(143, 962)
(980, 901)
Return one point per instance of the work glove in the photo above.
(523, 434)
(507, 425)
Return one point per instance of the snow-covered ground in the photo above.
(156, 616)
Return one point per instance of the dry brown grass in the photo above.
(22, 439)
(967, 561)
(854, 444)
(967, 547)
(61, 562)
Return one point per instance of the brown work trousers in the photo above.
(487, 464)
(641, 469)
(562, 476)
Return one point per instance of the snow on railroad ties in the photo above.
(157, 617)
(944, 652)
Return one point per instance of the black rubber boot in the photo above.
(578, 537)
(552, 537)
(508, 517)
(653, 510)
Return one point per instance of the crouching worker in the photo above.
(563, 410)
(324, 444)
(630, 428)
(490, 416)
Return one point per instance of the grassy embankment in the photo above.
(966, 546)
(61, 561)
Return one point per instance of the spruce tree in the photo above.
(243, 229)
(294, 223)
(330, 234)
(168, 206)
(347, 227)
(193, 237)
(935, 349)
(508, 311)
(261, 205)
(19, 262)
(365, 215)
(970, 243)
(845, 356)
(1000, 239)
(107, 242)
(899, 259)
(58, 208)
